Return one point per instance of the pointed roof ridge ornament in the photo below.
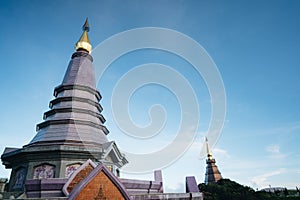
(86, 26)
(209, 155)
(84, 42)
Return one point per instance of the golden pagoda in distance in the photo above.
(212, 174)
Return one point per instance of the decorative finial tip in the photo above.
(86, 26)
(84, 42)
(209, 155)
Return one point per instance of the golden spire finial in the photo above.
(84, 42)
(209, 155)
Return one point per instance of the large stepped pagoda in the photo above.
(72, 131)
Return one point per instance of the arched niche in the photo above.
(71, 168)
(44, 171)
(19, 178)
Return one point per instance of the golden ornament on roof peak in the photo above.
(84, 42)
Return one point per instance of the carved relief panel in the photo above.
(44, 171)
(71, 168)
(19, 178)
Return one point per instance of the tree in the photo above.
(226, 189)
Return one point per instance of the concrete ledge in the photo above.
(39, 188)
(142, 186)
(171, 196)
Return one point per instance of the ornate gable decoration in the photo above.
(78, 175)
(113, 154)
(101, 183)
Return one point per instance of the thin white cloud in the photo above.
(262, 181)
(273, 148)
(174, 188)
(275, 153)
(288, 128)
(220, 153)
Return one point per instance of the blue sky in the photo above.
(254, 44)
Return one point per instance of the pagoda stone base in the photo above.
(45, 188)
(45, 162)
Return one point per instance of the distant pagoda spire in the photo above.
(212, 174)
(84, 43)
(209, 155)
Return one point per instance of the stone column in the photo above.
(2, 184)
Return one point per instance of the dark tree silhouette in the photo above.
(226, 189)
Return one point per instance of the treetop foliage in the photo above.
(225, 189)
